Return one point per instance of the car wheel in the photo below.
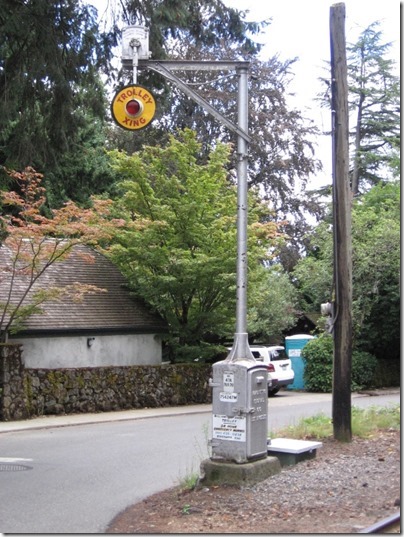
(273, 391)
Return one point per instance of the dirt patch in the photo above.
(347, 487)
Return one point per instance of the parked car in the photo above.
(279, 366)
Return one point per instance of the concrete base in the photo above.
(231, 473)
(290, 451)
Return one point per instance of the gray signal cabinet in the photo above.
(240, 411)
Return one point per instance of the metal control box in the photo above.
(240, 411)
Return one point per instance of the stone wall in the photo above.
(35, 392)
(13, 404)
(27, 393)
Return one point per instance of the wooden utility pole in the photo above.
(342, 310)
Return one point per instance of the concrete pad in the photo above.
(291, 445)
(231, 473)
(290, 451)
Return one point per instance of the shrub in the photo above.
(363, 369)
(202, 353)
(317, 355)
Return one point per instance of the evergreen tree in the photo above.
(201, 22)
(374, 104)
(51, 54)
(374, 95)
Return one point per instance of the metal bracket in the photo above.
(165, 68)
(214, 384)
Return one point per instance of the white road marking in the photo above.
(14, 459)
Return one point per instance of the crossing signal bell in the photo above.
(133, 107)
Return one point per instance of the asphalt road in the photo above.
(68, 478)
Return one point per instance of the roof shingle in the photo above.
(114, 310)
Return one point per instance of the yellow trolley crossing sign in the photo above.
(133, 107)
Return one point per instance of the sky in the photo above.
(301, 29)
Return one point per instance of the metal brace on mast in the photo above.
(166, 68)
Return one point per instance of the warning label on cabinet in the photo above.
(225, 428)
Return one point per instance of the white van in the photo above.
(279, 366)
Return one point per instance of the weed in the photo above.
(204, 451)
(185, 509)
(189, 481)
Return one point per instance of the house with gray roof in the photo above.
(105, 328)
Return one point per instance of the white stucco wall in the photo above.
(74, 351)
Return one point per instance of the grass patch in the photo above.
(318, 426)
(364, 422)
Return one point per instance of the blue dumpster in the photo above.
(293, 347)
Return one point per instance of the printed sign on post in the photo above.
(225, 428)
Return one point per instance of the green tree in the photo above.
(272, 305)
(374, 104)
(281, 153)
(313, 274)
(51, 55)
(83, 170)
(374, 95)
(318, 365)
(376, 270)
(178, 248)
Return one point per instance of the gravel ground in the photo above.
(347, 487)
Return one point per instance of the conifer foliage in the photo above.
(49, 51)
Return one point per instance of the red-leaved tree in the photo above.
(33, 242)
